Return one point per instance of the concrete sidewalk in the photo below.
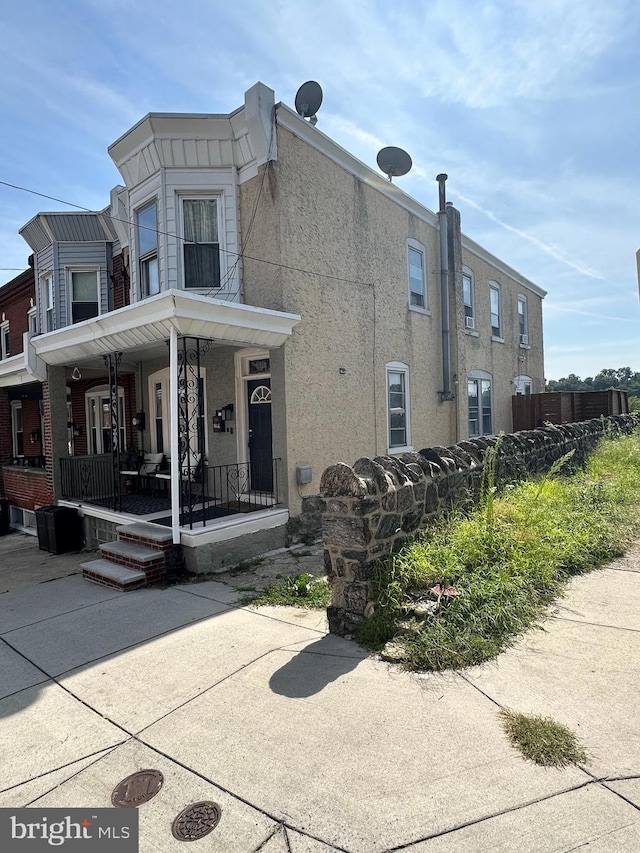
(307, 743)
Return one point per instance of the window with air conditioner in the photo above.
(523, 321)
(468, 298)
(496, 310)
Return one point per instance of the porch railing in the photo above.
(229, 489)
(88, 478)
(215, 491)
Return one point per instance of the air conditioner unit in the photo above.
(524, 340)
(469, 323)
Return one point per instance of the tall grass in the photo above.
(508, 559)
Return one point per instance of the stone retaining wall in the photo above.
(369, 509)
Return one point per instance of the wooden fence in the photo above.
(566, 407)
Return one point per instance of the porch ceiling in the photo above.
(146, 324)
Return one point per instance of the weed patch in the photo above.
(506, 561)
(543, 740)
(297, 591)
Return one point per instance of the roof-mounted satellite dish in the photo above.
(308, 100)
(394, 162)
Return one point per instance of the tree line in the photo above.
(624, 379)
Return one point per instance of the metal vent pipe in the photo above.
(445, 394)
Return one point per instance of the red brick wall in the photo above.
(5, 433)
(15, 301)
(31, 423)
(121, 292)
(28, 488)
(78, 392)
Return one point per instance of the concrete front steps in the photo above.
(137, 558)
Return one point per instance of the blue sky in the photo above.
(530, 107)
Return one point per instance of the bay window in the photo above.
(201, 250)
(84, 295)
(147, 239)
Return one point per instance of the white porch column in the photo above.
(175, 439)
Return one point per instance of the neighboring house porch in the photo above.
(165, 413)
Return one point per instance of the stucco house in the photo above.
(253, 305)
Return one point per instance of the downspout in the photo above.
(445, 394)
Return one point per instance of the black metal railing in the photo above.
(207, 493)
(88, 478)
(223, 490)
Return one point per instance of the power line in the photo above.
(190, 242)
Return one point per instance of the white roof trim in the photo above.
(150, 321)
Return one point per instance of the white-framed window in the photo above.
(17, 433)
(468, 297)
(496, 309)
(84, 292)
(417, 275)
(479, 402)
(5, 343)
(32, 318)
(523, 385)
(160, 412)
(98, 409)
(48, 303)
(523, 321)
(398, 407)
(147, 245)
(201, 243)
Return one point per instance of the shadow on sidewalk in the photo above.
(315, 667)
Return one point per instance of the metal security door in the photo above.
(260, 447)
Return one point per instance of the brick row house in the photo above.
(253, 305)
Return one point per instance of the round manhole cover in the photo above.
(196, 821)
(136, 789)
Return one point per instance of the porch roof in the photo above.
(23, 368)
(149, 322)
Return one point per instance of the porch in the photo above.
(168, 421)
(214, 492)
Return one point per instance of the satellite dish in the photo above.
(394, 162)
(308, 100)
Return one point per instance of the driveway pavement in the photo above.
(308, 744)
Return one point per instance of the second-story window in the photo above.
(147, 237)
(4, 340)
(84, 295)
(467, 295)
(417, 278)
(201, 243)
(47, 293)
(496, 320)
(523, 321)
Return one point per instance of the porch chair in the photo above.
(191, 469)
(150, 467)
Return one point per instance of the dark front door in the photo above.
(260, 450)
